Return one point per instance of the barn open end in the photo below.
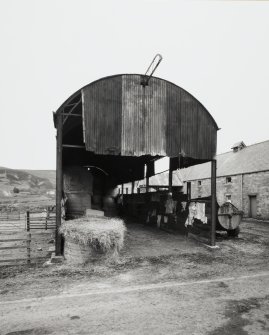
(109, 130)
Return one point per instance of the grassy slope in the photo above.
(33, 186)
(46, 174)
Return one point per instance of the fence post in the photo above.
(28, 221)
(28, 241)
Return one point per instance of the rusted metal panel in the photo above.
(206, 135)
(133, 116)
(173, 120)
(155, 117)
(143, 116)
(189, 126)
(121, 116)
(102, 116)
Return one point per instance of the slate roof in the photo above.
(253, 158)
(161, 179)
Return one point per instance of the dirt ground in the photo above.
(157, 275)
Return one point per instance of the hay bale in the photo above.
(88, 238)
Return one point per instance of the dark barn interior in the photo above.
(108, 131)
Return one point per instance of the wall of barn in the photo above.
(85, 189)
(239, 190)
(78, 189)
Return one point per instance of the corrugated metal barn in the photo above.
(110, 129)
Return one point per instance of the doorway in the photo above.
(253, 206)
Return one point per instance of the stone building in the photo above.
(242, 178)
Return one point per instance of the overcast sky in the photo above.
(216, 50)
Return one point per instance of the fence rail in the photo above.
(26, 246)
(40, 222)
(15, 236)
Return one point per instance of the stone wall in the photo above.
(239, 189)
(257, 184)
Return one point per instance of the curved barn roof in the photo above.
(123, 117)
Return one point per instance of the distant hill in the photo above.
(44, 174)
(26, 182)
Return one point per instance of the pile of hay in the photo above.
(99, 233)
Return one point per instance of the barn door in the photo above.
(252, 206)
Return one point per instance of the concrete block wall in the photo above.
(240, 187)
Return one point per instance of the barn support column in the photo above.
(147, 178)
(213, 202)
(59, 183)
(189, 190)
(147, 184)
(170, 176)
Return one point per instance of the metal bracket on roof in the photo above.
(151, 69)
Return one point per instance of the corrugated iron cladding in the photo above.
(102, 113)
(143, 117)
(123, 117)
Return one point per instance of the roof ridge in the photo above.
(247, 146)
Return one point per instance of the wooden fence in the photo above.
(26, 244)
(15, 236)
(37, 221)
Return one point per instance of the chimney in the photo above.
(238, 146)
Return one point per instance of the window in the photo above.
(228, 180)
(199, 182)
(228, 198)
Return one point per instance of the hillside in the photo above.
(25, 182)
(44, 174)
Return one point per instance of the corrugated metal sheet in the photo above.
(102, 113)
(123, 117)
(143, 117)
(173, 120)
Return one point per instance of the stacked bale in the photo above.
(91, 238)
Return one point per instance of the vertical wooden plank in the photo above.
(213, 201)
(59, 184)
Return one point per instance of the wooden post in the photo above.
(189, 190)
(170, 177)
(147, 184)
(28, 221)
(213, 201)
(122, 189)
(133, 187)
(59, 184)
(28, 241)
